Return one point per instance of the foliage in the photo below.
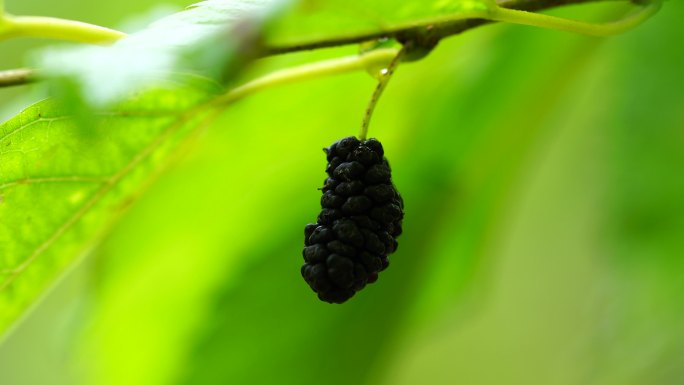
(539, 169)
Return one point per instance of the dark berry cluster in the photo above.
(358, 225)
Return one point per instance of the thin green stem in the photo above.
(592, 29)
(310, 71)
(385, 77)
(54, 28)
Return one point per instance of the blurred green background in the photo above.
(543, 242)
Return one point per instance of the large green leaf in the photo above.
(66, 175)
(62, 184)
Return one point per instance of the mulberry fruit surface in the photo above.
(359, 221)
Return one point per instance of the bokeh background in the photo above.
(543, 242)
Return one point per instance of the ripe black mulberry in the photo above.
(359, 222)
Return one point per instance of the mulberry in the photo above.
(359, 222)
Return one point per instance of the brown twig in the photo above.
(17, 77)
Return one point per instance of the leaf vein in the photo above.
(24, 126)
(57, 179)
(13, 273)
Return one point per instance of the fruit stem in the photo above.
(385, 76)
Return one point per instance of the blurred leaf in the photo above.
(200, 40)
(237, 192)
(316, 20)
(646, 211)
(251, 195)
(65, 176)
(586, 287)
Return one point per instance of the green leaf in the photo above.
(317, 20)
(66, 173)
(61, 185)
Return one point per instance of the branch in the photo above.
(17, 77)
(429, 34)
